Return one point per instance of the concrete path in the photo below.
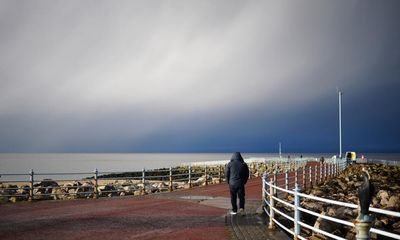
(198, 213)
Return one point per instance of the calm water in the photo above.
(45, 163)
(22, 163)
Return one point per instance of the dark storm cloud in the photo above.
(182, 76)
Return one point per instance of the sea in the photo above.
(17, 163)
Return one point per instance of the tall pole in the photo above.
(280, 150)
(340, 123)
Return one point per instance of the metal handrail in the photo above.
(320, 231)
(349, 205)
(169, 176)
(64, 173)
(327, 217)
(283, 214)
(384, 233)
(283, 202)
(12, 181)
(272, 186)
(14, 174)
(120, 178)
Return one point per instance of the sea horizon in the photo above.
(84, 162)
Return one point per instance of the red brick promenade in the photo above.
(159, 216)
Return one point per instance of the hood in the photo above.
(237, 157)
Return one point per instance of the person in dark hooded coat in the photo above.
(237, 173)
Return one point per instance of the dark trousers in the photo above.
(237, 191)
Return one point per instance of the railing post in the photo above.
(328, 173)
(296, 212)
(337, 168)
(316, 174)
(250, 170)
(310, 171)
(304, 177)
(205, 173)
(263, 188)
(143, 175)
(286, 182)
(144, 179)
(364, 220)
(170, 179)
(219, 173)
(333, 170)
(190, 176)
(96, 184)
(320, 172)
(275, 182)
(31, 180)
(271, 224)
(363, 229)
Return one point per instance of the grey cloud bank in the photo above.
(99, 76)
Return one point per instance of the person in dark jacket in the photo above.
(237, 173)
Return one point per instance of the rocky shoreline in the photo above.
(108, 185)
(129, 183)
(386, 180)
(121, 184)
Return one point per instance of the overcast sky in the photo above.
(198, 76)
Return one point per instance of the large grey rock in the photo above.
(394, 202)
(104, 190)
(326, 225)
(383, 194)
(342, 212)
(24, 190)
(313, 206)
(59, 193)
(317, 192)
(343, 185)
(396, 225)
(39, 195)
(384, 197)
(130, 190)
(139, 193)
(86, 190)
(46, 183)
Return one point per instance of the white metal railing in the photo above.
(60, 185)
(33, 185)
(271, 195)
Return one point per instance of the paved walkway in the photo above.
(252, 225)
(198, 213)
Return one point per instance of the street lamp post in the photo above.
(340, 123)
